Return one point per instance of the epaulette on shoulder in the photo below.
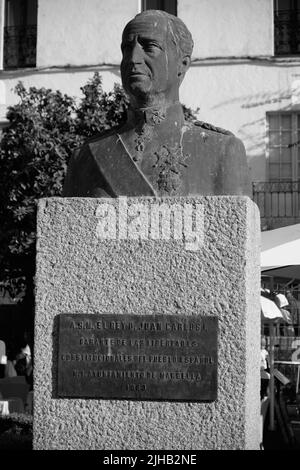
(210, 127)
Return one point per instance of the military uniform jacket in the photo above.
(159, 154)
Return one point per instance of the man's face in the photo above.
(150, 61)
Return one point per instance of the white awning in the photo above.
(280, 247)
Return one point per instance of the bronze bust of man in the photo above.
(156, 152)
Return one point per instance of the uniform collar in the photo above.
(156, 115)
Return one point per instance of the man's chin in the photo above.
(139, 88)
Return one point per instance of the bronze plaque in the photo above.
(144, 357)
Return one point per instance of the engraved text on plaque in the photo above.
(158, 357)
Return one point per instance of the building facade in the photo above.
(245, 72)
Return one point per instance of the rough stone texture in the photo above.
(79, 273)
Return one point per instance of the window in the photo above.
(20, 33)
(170, 6)
(287, 27)
(284, 146)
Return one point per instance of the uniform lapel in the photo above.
(118, 169)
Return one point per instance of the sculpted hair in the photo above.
(182, 37)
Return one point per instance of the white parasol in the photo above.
(269, 309)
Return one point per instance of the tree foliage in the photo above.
(44, 128)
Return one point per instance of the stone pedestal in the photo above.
(118, 256)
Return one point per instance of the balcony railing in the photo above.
(278, 201)
(19, 46)
(287, 32)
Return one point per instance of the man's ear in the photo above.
(183, 66)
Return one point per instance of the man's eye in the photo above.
(151, 47)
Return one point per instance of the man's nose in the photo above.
(137, 53)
